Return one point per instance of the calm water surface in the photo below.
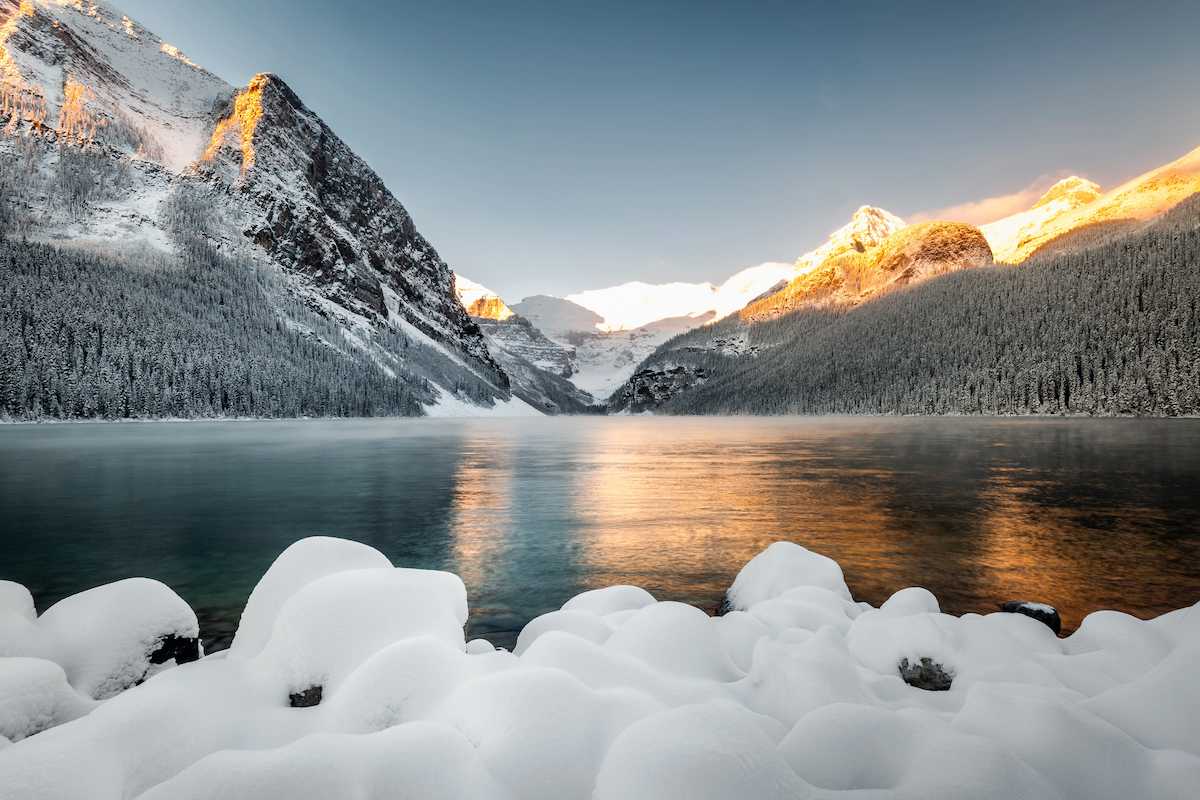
(1083, 514)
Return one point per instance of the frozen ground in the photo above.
(351, 678)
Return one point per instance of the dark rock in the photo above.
(183, 649)
(307, 698)
(652, 387)
(927, 675)
(1043, 613)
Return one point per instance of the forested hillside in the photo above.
(1112, 330)
(87, 336)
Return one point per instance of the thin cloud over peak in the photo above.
(990, 209)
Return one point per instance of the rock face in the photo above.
(650, 388)
(538, 368)
(180, 649)
(318, 210)
(1047, 615)
(925, 674)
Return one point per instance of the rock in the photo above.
(183, 649)
(927, 675)
(1048, 615)
(307, 698)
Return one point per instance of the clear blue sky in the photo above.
(552, 147)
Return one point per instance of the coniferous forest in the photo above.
(86, 336)
(1111, 330)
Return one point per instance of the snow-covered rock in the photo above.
(105, 639)
(795, 692)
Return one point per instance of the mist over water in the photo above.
(1082, 514)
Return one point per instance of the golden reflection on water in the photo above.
(480, 508)
(678, 506)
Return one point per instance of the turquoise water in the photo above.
(1083, 514)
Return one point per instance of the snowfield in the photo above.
(349, 677)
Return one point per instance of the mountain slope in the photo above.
(113, 140)
(858, 270)
(1108, 330)
(539, 369)
(1075, 204)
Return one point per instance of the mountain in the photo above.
(1012, 238)
(862, 262)
(480, 301)
(539, 368)
(112, 140)
(636, 305)
(1107, 330)
(557, 316)
(601, 360)
(1074, 211)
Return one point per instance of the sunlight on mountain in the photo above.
(242, 123)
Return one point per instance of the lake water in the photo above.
(1082, 514)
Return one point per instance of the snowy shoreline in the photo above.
(350, 677)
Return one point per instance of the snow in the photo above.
(1016, 237)
(637, 304)
(795, 693)
(102, 638)
(448, 405)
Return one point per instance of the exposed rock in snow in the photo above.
(1039, 611)
(926, 674)
(797, 693)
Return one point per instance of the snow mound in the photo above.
(794, 692)
(105, 639)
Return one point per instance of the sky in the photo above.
(548, 148)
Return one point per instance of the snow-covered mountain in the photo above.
(637, 304)
(113, 139)
(1074, 209)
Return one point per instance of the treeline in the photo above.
(1113, 330)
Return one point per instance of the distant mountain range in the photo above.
(238, 219)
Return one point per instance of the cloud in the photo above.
(990, 209)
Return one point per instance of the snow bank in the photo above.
(349, 677)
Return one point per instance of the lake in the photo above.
(1082, 514)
